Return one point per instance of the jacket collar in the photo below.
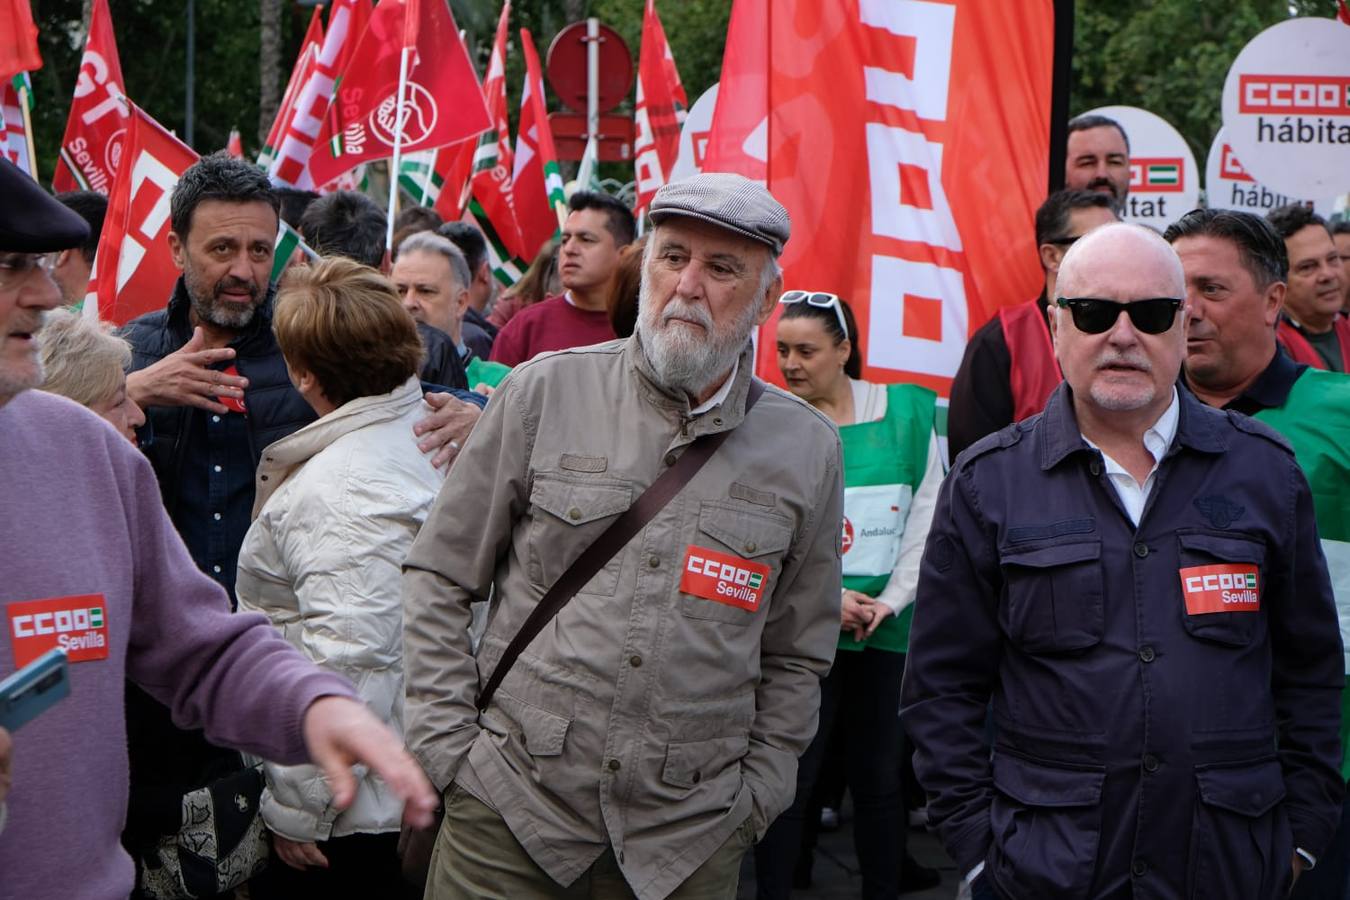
(719, 418)
(258, 329)
(1198, 427)
(282, 458)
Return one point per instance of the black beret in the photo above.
(31, 220)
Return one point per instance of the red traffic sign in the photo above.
(567, 67)
(614, 142)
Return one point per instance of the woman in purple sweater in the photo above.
(89, 561)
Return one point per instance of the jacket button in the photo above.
(1095, 467)
(574, 514)
(696, 777)
(635, 661)
(670, 458)
(614, 765)
(1146, 654)
(1150, 762)
(263, 477)
(1141, 549)
(1139, 868)
(654, 562)
(751, 547)
(717, 421)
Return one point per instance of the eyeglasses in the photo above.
(1093, 316)
(14, 266)
(821, 300)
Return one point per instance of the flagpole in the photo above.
(398, 147)
(26, 113)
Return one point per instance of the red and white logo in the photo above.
(1230, 587)
(723, 578)
(1323, 95)
(847, 543)
(78, 625)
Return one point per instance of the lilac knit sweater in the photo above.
(80, 513)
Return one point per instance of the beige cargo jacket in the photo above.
(644, 717)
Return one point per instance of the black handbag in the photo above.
(220, 844)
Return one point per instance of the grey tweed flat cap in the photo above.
(732, 201)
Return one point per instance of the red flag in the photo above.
(454, 165)
(305, 64)
(492, 205)
(661, 103)
(308, 117)
(1343, 11)
(442, 102)
(235, 145)
(18, 39)
(536, 181)
(933, 122)
(98, 118)
(133, 270)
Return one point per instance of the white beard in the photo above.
(684, 360)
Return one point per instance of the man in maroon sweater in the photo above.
(83, 530)
(597, 228)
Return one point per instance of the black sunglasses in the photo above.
(1094, 316)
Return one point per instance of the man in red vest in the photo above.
(1313, 329)
(1009, 367)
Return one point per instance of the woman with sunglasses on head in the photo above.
(892, 470)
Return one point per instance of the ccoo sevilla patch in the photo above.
(1231, 587)
(723, 578)
(78, 625)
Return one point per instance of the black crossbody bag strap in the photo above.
(611, 541)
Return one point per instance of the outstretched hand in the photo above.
(340, 732)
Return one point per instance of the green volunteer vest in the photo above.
(480, 371)
(1316, 421)
(883, 464)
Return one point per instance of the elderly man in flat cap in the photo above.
(649, 733)
(90, 562)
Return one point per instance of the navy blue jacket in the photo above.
(1139, 750)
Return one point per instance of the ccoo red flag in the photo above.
(300, 132)
(133, 269)
(661, 103)
(96, 128)
(18, 39)
(442, 103)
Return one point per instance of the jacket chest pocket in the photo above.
(720, 589)
(1222, 587)
(1052, 596)
(567, 516)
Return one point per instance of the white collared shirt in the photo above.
(722, 392)
(1157, 439)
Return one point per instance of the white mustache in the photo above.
(1125, 361)
(678, 309)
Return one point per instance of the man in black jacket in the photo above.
(213, 384)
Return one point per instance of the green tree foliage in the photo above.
(1169, 56)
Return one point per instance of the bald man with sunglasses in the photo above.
(1134, 579)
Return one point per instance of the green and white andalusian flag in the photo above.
(288, 241)
(1316, 421)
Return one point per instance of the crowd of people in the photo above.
(412, 583)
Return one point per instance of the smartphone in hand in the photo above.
(33, 689)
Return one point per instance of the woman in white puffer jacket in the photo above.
(338, 505)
